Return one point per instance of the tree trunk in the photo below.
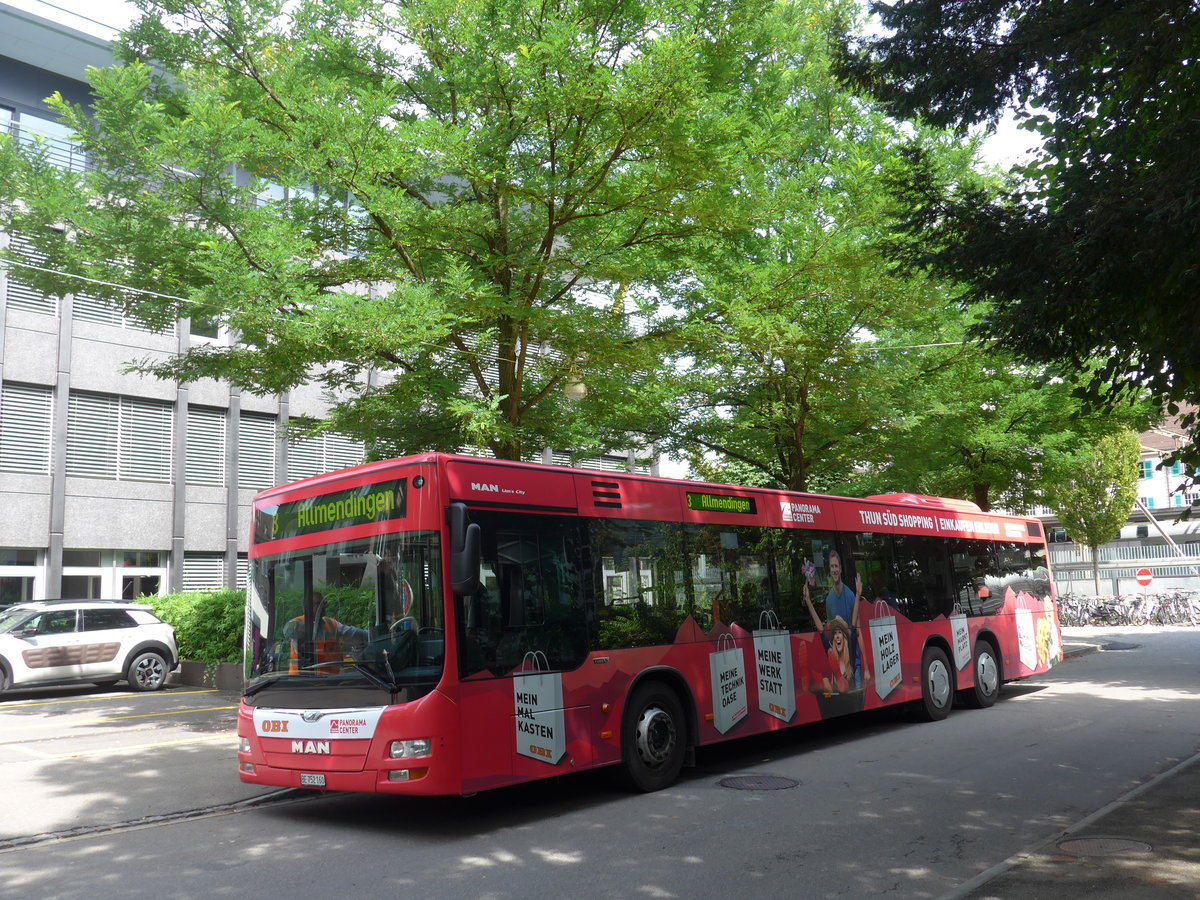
(1096, 570)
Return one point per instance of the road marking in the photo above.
(174, 712)
(117, 751)
(87, 723)
(27, 703)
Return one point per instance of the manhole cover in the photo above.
(1103, 846)
(758, 782)
(1117, 645)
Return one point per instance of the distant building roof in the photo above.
(1167, 436)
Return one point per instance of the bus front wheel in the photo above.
(653, 737)
(937, 684)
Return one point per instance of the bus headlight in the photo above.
(243, 744)
(409, 749)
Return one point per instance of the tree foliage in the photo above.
(818, 363)
(790, 381)
(441, 209)
(1090, 252)
(1095, 491)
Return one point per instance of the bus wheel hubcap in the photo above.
(655, 737)
(939, 684)
(988, 676)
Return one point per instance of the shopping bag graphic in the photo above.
(541, 722)
(773, 663)
(1026, 638)
(885, 648)
(728, 670)
(961, 635)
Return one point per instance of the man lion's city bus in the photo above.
(444, 625)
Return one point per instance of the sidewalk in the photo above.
(1142, 845)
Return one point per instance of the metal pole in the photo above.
(1166, 537)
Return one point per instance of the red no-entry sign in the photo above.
(1144, 577)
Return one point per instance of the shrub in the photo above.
(208, 624)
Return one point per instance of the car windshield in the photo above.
(12, 617)
(354, 616)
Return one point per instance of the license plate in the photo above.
(308, 779)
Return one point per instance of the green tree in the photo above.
(987, 427)
(819, 364)
(1090, 253)
(1094, 492)
(443, 211)
(790, 379)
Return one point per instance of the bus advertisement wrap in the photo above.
(541, 725)
(728, 669)
(773, 660)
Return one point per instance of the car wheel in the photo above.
(654, 738)
(5, 680)
(147, 671)
(937, 684)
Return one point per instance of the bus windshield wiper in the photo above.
(374, 677)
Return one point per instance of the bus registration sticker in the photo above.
(540, 718)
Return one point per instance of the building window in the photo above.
(1147, 502)
(1147, 467)
(19, 295)
(26, 413)
(203, 571)
(119, 438)
(206, 327)
(309, 456)
(92, 309)
(56, 139)
(1176, 468)
(256, 451)
(205, 454)
(20, 573)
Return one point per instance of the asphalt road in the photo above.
(77, 759)
(882, 805)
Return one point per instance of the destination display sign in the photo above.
(325, 512)
(722, 503)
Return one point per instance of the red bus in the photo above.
(444, 625)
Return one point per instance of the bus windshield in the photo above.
(329, 623)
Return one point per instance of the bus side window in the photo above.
(532, 564)
(923, 567)
(973, 561)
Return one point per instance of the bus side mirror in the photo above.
(464, 551)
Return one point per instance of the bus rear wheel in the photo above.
(653, 737)
(937, 684)
(988, 677)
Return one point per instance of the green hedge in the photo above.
(208, 624)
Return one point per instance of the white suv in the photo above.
(72, 641)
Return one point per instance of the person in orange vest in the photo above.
(327, 639)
